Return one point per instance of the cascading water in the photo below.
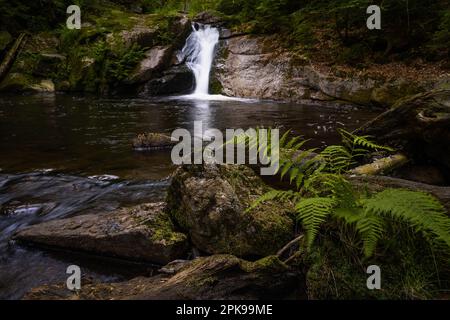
(199, 54)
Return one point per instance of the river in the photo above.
(63, 155)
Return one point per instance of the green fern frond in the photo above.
(274, 195)
(353, 141)
(423, 211)
(313, 212)
(338, 158)
(371, 228)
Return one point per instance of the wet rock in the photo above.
(214, 277)
(152, 141)
(209, 202)
(175, 80)
(143, 232)
(156, 60)
(209, 17)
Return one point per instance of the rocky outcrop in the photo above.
(156, 59)
(210, 203)
(178, 79)
(143, 233)
(255, 67)
(214, 277)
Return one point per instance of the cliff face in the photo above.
(257, 67)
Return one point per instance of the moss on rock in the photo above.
(209, 202)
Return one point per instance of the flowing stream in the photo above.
(64, 155)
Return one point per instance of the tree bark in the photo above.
(10, 57)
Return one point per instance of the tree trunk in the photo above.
(10, 57)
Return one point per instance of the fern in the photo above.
(274, 195)
(313, 212)
(360, 143)
(424, 212)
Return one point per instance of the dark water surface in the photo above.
(57, 154)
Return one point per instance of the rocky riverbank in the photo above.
(238, 254)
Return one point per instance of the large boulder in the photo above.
(209, 202)
(175, 80)
(156, 60)
(143, 233)
(214, 277)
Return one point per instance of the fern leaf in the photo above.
(312, 212)
(423, 211)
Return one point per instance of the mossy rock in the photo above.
(209, 202)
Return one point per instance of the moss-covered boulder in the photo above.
(210, 203)
(214, 277)
(143, 233)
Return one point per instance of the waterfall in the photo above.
(199, 54)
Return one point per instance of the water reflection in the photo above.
(91, 136)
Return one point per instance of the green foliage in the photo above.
(123, 61)
(324, 193)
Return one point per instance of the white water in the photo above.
(199, 54)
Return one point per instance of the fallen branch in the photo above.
(382, 165)
(288, 246)
(10, 57)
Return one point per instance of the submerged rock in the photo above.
(152, 141)
(214, 277)
(144, 232)
(209, 202)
